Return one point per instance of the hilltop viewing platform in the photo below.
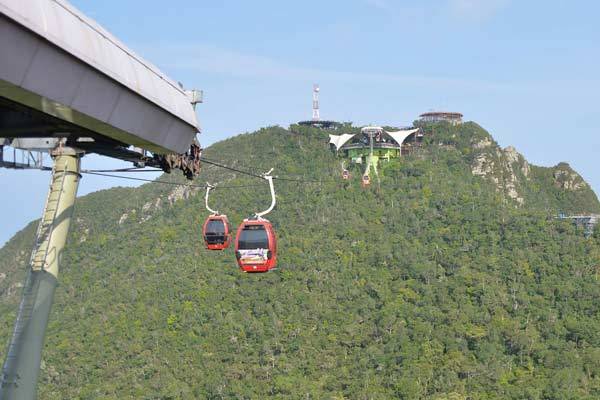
(331, 125)
(455, 118)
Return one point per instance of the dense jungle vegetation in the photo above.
(432, 284)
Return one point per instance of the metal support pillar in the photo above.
(370, 158)
(22, 365)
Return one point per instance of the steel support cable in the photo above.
(210, 162)
(291, 178)
(216, 164)
(281, 178)
(164, 182)
(237, 165)
(126, 170)
(216, 186)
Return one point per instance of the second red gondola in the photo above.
(366, 181)
(216, 232)
(256, 246)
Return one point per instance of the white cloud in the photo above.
(476, 9)
(212, 59)
(209, 60)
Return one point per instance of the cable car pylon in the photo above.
(216, 230)
(21, 367)
(256, 241)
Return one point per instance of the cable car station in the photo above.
(68, 87)
(373, 144)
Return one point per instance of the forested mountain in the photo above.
(451, 279)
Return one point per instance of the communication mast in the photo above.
(316, 121)
(315, 110)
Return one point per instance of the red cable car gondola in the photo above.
(216, 232)
(366, 181)
(345, 172)
(256, 246)
(255, 241)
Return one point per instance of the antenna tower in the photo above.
(315, 110)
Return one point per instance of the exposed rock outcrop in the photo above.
(484, 165)
(181, 192)
(505, 168)
(126, 215)
(483, 143)
(566, 178)
(514, 158)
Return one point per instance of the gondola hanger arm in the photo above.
(269, 179)
(209, 187)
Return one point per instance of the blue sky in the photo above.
(525, 70)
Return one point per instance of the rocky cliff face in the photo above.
(521, 182)
(567, 179)
(507, 168)
(145, 212)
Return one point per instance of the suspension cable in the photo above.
(164, 182)
(281, 178)
(210, 162)
(140, 169)
(216, 164)
(104, 172)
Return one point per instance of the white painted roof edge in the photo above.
(400, 136)
(371, 128)
(339, 140)
(66, 27)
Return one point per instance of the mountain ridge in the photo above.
(439, 284)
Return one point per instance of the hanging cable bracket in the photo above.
(269, 179)
(209, 187)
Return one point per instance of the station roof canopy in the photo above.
(397, 136)
(62, 74)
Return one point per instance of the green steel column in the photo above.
(22, 365)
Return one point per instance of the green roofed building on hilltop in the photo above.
(373, 143)
(357, 146)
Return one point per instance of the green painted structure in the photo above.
(363, 153)
(373, 144)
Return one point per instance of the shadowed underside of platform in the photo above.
(62, 75)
